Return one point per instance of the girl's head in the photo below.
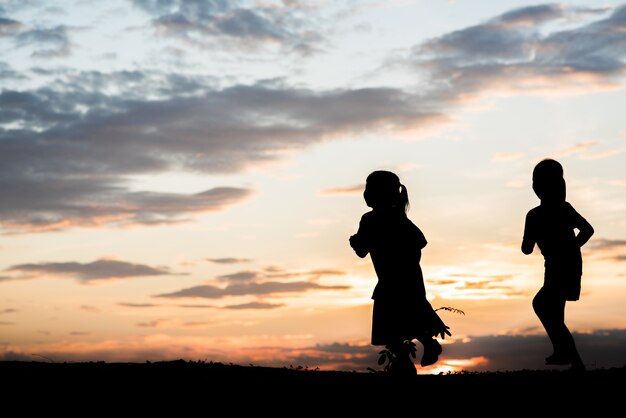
(384, 190)
(548, 181)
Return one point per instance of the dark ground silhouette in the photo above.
(187, 386)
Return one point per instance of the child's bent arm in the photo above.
(585, 231)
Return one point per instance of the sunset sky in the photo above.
(179, 178)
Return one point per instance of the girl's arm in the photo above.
(527, 247)
(359, 241)
(528, 242)
(357, 244)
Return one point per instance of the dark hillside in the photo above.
(181, 384)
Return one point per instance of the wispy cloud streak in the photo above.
(99, 270)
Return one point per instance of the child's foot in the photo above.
(558, 359)
(432, 349)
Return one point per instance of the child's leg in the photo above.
(550, 309)
(577, 361)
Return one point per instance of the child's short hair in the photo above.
(547, 169)
(548, 181)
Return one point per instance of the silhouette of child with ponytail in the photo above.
(401, 311)
(551, 226)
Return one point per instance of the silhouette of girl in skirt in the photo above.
(401, 311)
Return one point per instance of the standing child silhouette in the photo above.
(401, 311)
(551, 226)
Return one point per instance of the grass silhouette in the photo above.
(182, 388)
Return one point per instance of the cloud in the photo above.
(136, 305)
(269, 281)
(470, 286)
(255, 305)
(15, 356)
(152, 324)
(7, 311)
(75, 163)
(242, 276)
(605, 244)
(335, 356)
(7, 323)
(259, 283)
(69, 150)
(576, 148)
(528, 49)
(193, 324)
(530, 16)
(56, 203)
(94, 271)
(194, 306)
(241, 306)
(156, 305)
(48, 42)
(222, 24)
(8, 74)
(276, 272)
(80, 333)
(229, 260)
(258, 289)
(599, 349)
(343, 191)
(9, 26)
(607, 249)
(602, 154)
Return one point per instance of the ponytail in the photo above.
(404, 197)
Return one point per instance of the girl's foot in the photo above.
(432, 349)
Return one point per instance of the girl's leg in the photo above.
(403, 364)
